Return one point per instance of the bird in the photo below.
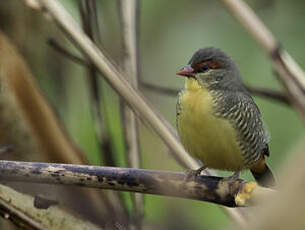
(218, 121)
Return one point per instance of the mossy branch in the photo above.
(204, 188)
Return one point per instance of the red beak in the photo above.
(187, 71)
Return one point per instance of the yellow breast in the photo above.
(211, 139)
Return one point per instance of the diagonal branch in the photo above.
(57, 47)
(288, 71)
(204, 188)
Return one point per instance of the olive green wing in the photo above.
(244, 115)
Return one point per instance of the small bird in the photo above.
(217, 120)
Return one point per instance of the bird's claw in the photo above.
(191, 174)
(231, 179)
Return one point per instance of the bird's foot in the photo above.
(191, 174)
(233, 178)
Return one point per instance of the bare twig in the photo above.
(129, 19)
(123, 88)
(160, 89)
(290, 74)
(267, 93)
(56, 46)
(19, 208)
(205, 188)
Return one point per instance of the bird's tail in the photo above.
(263, 174)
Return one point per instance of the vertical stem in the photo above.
(90, 25)
(129, 19)
(89, 18)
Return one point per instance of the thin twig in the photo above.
(132, 96)
(205, 188)
(267, 93)
(160, 89)
(289, 72)
(129, 20)
(56, 46)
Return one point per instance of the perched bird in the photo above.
(217, 120)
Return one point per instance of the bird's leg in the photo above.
(192, 174)
(233, 178)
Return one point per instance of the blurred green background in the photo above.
(170, 32)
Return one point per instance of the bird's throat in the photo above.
(192, 84)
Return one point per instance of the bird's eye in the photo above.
(204, 68)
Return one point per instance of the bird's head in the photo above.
(212, 68)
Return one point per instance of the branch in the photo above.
(267, 93)
(289, 72)
(204, 188)
(57, 47)
(160, 89)
(20, 209)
